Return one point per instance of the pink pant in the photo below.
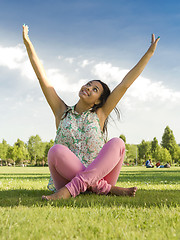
(67, 170)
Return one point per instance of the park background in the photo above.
(80, 40)
(35, 151)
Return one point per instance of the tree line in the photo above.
(167, 151)
(35, 151)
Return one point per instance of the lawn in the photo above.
(153, 214)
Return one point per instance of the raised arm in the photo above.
(131, 76)
(55, 102)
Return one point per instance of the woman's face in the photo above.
(91, 92)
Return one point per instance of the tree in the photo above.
(10, 154)
(131, 153)
(163, 156)
(144, 150)
(35, 148)
(169, 142)
(20, 152)
(123, 137)
(154, 144)
(47, 147)
(177, 154)
(3, 150)
(155, 148)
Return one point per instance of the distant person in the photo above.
(158, 165)
(80, 160)
(167, 165)
(149, 164)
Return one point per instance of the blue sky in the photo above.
(82, 40)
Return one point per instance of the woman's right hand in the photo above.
(25, 33)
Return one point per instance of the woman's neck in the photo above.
(80, 107)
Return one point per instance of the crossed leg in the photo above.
(71, 177)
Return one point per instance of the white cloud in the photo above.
(108, 73)
(60, 81)
(143, 89)
(69, 60)
(66, 59)
(11, 57)
(146, 90)
(85, 63)
(77, 70)
(15, 58)
(29, 98)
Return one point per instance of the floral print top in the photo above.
(82, 134)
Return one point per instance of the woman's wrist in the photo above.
(26, 41)
(150, 52)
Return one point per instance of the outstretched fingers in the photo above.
(153, 38)
(154, 42)
(25, 31)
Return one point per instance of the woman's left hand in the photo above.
(154, 42)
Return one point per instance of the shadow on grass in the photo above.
(145, 175)
(144, 198)
(21, 176)
(151, 175)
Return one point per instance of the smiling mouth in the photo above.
(85, 92)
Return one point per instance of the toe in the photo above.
(44, 198)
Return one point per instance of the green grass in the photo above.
(153, 214)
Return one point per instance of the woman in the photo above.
(80, 160)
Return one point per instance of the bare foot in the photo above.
(62, 193)
(119, 191)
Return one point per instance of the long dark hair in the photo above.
(104, 96)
